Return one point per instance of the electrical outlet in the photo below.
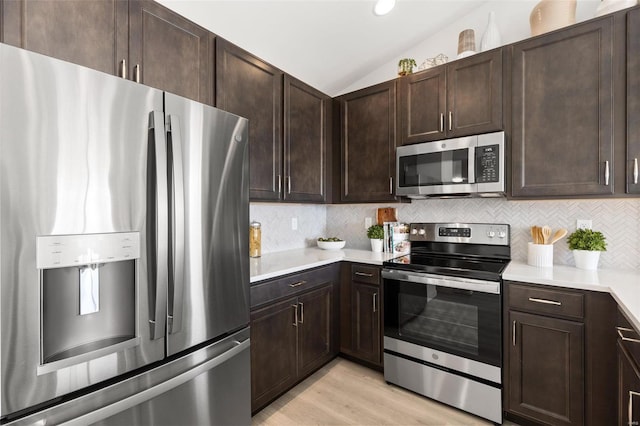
(583, 223)
(367, 222)
(294, 223)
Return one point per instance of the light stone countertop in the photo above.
(624, 286)
(272, 265)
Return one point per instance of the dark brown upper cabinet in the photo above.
(458, 99)
(251, 88)
(633, 102)
(89, 33)
(368, 143)
(169, 52)
(305, 142)
(563, 112)
(139, 40)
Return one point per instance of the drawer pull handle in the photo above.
(295, 315)
(298, 284)
(364, 274)
(545, 301)
(626, 339)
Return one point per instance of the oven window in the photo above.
(441, 318)
(461, 322)
(437, 168)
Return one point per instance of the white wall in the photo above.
(512, 19)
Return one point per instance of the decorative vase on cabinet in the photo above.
(491, 37)
(549, 15)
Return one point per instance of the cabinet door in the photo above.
(314, 329)
(273, 351)
(89, 33)
(251, 88)
(546, 369)
(169, 52)
(305, 136)
(563, 112)
(366, 322)
(368, 142)
(633, 102)
(422, 102)
(628, 389)
(474, 94)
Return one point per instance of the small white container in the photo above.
(331, 245)
(540, 255)
(376, 245)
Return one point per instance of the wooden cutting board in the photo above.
(387, 214)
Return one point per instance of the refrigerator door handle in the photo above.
(157, 228)
(153, 392)
(176, 284)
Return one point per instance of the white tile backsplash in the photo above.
(618, 219)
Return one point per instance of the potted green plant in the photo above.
(375, 233)
(405, 66)
(586, 246)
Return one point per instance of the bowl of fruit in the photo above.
(331, 243)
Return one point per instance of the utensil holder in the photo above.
(540, 255)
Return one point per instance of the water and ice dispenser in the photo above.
(88, 295)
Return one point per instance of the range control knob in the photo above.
(491, 234)
(414, 231)
(422, 232)
(502, 234)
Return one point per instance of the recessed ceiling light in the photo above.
(383, 7)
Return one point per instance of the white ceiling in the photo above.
(329, 44)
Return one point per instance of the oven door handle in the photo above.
(492, 287)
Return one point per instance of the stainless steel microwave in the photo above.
(469, 166)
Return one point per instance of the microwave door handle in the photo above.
(472, 164)
(157, 226)
(176, 298)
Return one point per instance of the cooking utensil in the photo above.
(536, 235)
(560, 233)
(546, 234)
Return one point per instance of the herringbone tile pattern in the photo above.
(618, 219)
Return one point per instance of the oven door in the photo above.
(444, 167)
(458, 316)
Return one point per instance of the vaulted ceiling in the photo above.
(328, 44)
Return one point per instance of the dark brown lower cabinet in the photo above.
(361, 313)
(628, 389)
(292, 331)
(558, 355)
(546, 369)
(273, 352)
(366, 322)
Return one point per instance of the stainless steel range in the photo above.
(442, 318)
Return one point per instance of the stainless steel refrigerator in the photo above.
(124, 277)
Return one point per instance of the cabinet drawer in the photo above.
(629, 337)
(365, 274)
(546, 301)
(290, 285)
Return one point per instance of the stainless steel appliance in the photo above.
(124, 277)
(442, 315)
(471, 166)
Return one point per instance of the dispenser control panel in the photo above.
(59, 251)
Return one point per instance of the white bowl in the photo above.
(331, 245)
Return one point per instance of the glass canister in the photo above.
(255, 239)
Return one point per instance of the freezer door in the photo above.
(210, 386)
(209, 266)
(74, 145)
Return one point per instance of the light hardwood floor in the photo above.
(345, 393)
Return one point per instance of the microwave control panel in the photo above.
(487, 163)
